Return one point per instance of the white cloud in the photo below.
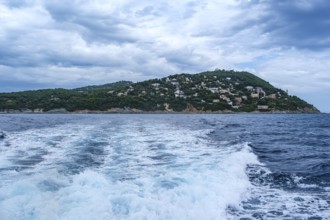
(302, 71)
(98, 41)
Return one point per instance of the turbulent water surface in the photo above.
(164, 167)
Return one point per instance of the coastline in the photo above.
(137, 111)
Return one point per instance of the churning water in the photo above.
(164, 167)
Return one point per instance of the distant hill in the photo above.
(114, 85)
(218, 91)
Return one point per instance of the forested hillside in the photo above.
(212, 91)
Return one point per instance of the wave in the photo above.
(133, 167)
(152, 173)
(90, 194)
(278, 195)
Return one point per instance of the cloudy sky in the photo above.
(50, 43)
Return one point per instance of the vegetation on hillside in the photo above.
(211, 91)
(119, 84)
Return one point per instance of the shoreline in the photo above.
(127, 111)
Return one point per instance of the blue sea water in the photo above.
(245, 166)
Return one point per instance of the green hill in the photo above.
(214, 91)
(114, 85)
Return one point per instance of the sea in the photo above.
(164, 166)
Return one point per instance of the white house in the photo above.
(272, 96)
(178, 93)
(249, 88)
(255, 95)
(262, 107)
(214, 90)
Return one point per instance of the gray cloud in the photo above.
(302, 24)
(81, 42)
(92, 26)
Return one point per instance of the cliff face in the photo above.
(217, 91)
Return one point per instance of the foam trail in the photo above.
(160, 167)
(194, 194)
(136, 170)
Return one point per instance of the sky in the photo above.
(68, 44)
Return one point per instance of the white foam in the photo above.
(273, 202)
(196, 194)
(199, 182)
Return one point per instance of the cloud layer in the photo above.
(52, 44)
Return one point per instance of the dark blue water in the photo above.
(295, 154)
(245, 166)
(290, 145)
